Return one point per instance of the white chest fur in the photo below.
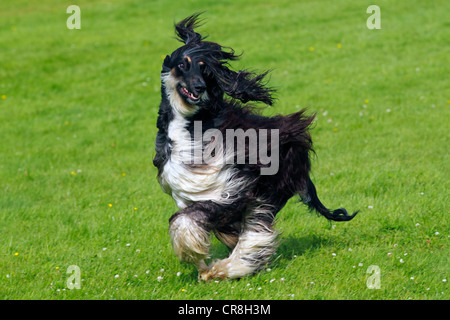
(181, 177)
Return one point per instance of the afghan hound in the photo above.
(229, 169)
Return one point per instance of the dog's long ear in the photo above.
(185, 29)
(245, 86)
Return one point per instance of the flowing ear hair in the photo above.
(245, 86)
(185, 29)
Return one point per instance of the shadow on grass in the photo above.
(291, 247)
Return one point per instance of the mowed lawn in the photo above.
(78, 121)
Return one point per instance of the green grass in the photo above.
(77, 127)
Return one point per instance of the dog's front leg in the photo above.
(190, 231)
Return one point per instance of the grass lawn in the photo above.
(78, 121)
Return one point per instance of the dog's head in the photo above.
(198, 70)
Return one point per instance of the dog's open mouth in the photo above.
(185, 92)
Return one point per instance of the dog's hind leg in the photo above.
(190, 236)
(229, 234)
(256, 244)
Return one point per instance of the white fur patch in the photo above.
(190, 242)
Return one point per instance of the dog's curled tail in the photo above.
(312, 201)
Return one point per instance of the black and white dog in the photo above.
(215, 192)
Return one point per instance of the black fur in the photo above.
(207, 70)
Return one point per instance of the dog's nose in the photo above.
(200, 87)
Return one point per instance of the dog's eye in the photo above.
(181, 66)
